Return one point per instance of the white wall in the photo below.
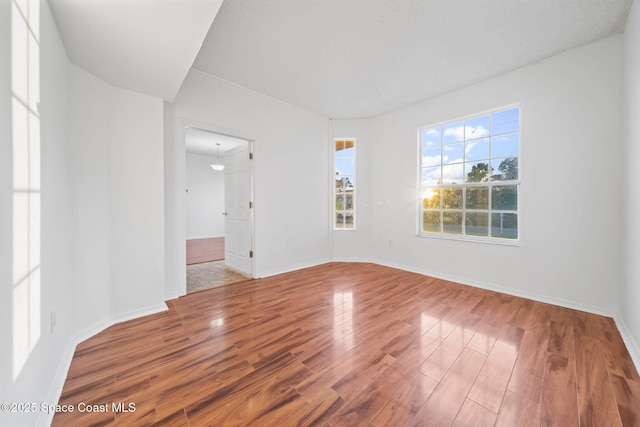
(102, 242)
(38, 379)
(290, 169)
(570, 166)
(89, 160)
(175, 266)
(136, 167)
(116, 159)
(205, 199)
(630, 296)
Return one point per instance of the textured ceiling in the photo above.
(362, 58)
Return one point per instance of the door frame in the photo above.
(182, 238)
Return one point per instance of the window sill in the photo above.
(475, 239)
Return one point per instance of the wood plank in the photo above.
(596, 401)
(205, 250)
(518, 411)
(446, 400)
(559, 406)
(356, 344)
(473, 414)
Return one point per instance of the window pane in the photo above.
(477, 150)
(504, 198)
(477, 127)
(345, 182)
(339, 164)
(504, 169)
(431, 177)
(20, 236)
(431, 221)
(431, 157)
(504, 225)
(470, 176)
(505, 145)
(477, 172)
(349, 183)
(348, 202)
(452, 198)
(34, 73)
(19, 55)
(431, 137)
(452, 174)
(478, 198)
(34, 152)
(20, 146)
(477, 224)
(453, 132)
(453, 153)
(431, 198)
(34, 230)
(505, 121)
(452, 222)
(348, 219)
(349, 166)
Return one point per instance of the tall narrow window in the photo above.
(469, 177)
(345, 184)
(25, 82)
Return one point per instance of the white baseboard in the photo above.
(172, 295)
(509, 291)
(55, 390)
(632, 346)
(290, 268)
(63, 367)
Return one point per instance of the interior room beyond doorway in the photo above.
(207, 209)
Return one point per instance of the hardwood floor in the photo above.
(205, 250)
(356, 345)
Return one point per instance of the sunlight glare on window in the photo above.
(469, 177)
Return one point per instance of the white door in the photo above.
(238, 205)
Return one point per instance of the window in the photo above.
(469, 177)
(345, 184)
(25, 85)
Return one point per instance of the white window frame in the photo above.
(470, 185)
(336, 211)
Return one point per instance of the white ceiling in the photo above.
(338, 58)
(198, 141)
(143, 45)
(361, 58)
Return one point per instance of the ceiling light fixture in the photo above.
(217, 166)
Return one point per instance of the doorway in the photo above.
(219, 220)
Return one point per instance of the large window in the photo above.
(345, 184)
(469, 177)
(25, 100)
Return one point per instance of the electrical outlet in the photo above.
(53, 320)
